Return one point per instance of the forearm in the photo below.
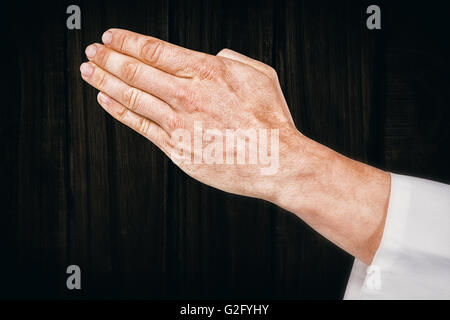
(344, 200)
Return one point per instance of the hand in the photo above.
(162, 90)
(173, 96)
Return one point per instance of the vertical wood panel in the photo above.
(326, 65)
(136, 170)
(196, 256)
(248, 28)
(89, 163)
(10, 130)
(84, 189)
(416, 132)
(41, 181)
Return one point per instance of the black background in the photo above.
(79, 188)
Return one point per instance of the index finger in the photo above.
(160, 54)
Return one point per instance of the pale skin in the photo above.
(155, 87)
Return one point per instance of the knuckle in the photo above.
(143, 124)
(131, 97)
(122, 113)
(185, 97)
(151, 51)
(271, 72)
(121, 40)
(165, 141)
(173, 122)
(131, 71)
(224, 51)
(101, 80)
(211, 69)
(102, 56)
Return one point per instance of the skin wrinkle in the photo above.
(344, 200)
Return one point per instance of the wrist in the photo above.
(303, 169)
(344, 200)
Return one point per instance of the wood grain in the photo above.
(80, 188)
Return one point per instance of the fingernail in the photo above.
(103, 98)
(86, 69)
(90, 51)
(107, 37)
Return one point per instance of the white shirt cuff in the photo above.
(413, 259)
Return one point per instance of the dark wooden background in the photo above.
(79, 188)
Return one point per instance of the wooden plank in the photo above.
(326, 69)
(41, 213)
(416, 133)
(137, 173)
(9, 131)
(89, 201)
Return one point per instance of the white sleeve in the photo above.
(413, 260)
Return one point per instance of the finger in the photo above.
(140, 124)
(163, 55)
(258, 65)
(136, 73)
(134, 99)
